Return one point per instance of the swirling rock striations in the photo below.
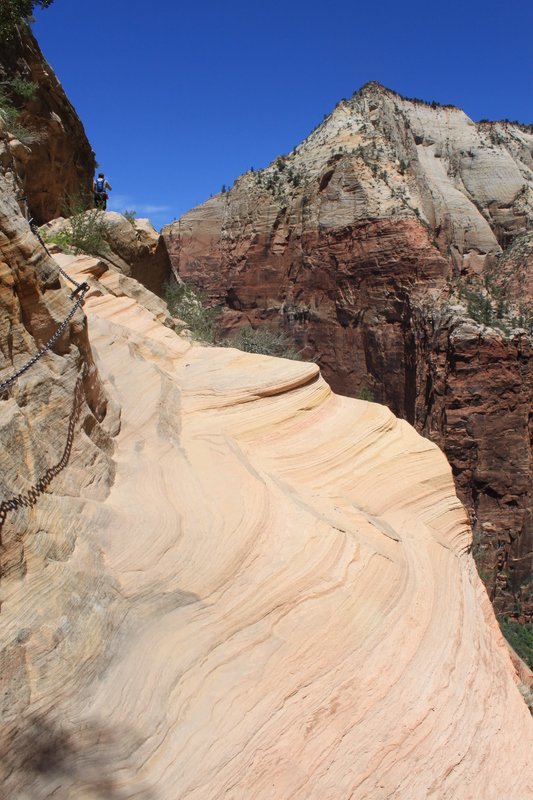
(275, 599)
(393, 245)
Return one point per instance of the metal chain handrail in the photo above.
(81, 290)
(79, 293)
(37, 232)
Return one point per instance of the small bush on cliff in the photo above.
(366, 394)
(187, 305)
(13, 93)
(263, 341)
(84, 231)
(13, 12)
(520, 637)
(131, 216)
(479, 308)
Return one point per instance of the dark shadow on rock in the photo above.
(50, 759)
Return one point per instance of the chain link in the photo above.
(82, 289)
(37, 232)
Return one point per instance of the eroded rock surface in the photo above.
(58, 164)
(274, 599)
(134, 249)
(393, 245)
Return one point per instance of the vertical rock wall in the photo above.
(58, 162)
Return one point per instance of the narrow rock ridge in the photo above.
(393, 245)
(274, 599)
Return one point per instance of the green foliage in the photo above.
(479, 307)
(11, 93)
(520, 637)
(22, 87)
(84, 231)
(264, 341)
(366, 394)
(131, 216)
(13, 12)
(186, 304)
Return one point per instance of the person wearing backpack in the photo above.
(100, 187)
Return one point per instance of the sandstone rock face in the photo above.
(60, 163)
(142, 252)
(135, 250)
(61, 394)
(274, 599)
(385, 244)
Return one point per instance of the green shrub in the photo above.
(520, 637)
(366, 394)
(13, 12)
(22, 87)
(84, 231)
(479, 307)
(264, 341)
(10, 93)
(186, 304)
(131, 216)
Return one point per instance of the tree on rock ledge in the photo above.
(13, 12)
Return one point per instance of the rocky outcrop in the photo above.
(260, 591)
(54, 160)
(56, 420)
(134, 249)
(386, 245)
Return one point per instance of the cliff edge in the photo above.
(271, 595)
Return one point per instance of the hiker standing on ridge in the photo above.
(100, 186)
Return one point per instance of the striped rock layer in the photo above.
(394, 246)
(273, 598)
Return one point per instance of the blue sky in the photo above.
(178, 99)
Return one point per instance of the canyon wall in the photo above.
(218, 577)
(394, 247)
(54, 162)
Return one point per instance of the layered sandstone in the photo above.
(275, 598)
(60, 393)
(134, 249)
(393, 246)
(56, 163)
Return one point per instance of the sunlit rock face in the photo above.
(273, 597)
(393, 245)
(133, 248)
(59, 391)
(55, 165)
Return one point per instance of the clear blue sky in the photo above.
(180, 98)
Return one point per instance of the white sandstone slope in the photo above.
(379, 155)
(283, 604)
